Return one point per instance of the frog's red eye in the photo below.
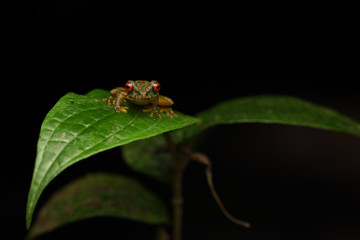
(156, 87)
(129, 86)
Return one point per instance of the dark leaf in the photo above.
(99, 195)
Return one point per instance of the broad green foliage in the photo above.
(80, 126)
(272, 109)
(257, 109)
(153, 159)
(101, 194)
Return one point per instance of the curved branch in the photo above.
(203, 159)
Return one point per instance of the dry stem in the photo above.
(203, 159)
(180, 162)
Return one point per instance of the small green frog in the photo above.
(144, 93)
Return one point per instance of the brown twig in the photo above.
(180, 162)
(161, 234)
(203, 159)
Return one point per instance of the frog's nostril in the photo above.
(143, 94)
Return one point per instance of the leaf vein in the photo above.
(48, 140)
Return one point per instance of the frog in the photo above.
(143, 93)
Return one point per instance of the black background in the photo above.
(289, 182)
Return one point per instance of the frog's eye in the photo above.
(156, 87)
(129, 87)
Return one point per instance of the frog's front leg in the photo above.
(118, 108)
(154, 107)
(118, 95)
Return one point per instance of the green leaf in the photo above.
(150, 157)
(80, 126)
(256, 109)
(271, 109)
(100, 195)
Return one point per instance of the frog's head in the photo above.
(142, 89)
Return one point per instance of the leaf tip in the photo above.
(28, 222)
(29, 213)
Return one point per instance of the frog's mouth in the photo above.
(144, 101)
(143, 98)
(144, 95)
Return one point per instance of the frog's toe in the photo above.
(158, 114)
(119, 109)
(108, 99)
(169, 112)
(147, 110)
(152, 111)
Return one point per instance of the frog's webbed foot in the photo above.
(110, 100)
(116, 101)
(168, 111)
(152, 110)
(120, 109)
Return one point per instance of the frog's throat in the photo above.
(141, 101)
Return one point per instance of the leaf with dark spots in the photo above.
(100, 195)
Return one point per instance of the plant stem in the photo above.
(180, 163)
(203, 159)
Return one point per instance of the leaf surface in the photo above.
(256, 109)
(79, 126)
(153, 159)
(271, 109)
(99, 195)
